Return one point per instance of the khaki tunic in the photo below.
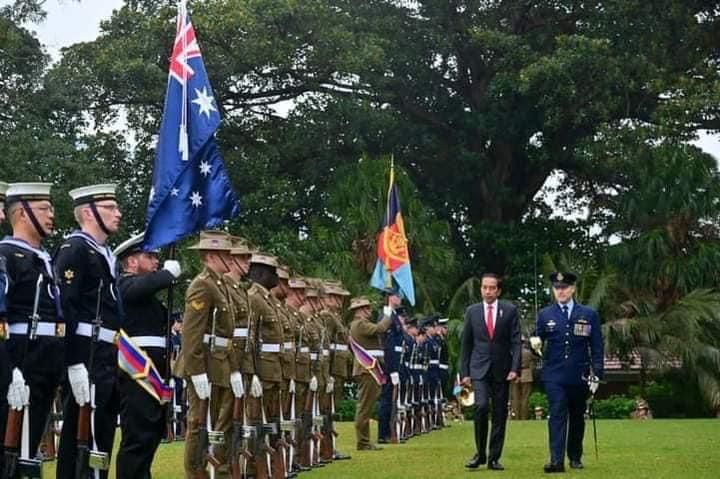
(289, 326)
(268, 330)
(207, 297)
(303, 340)
(242, 353)
(368, 335)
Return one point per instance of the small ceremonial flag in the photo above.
(367, 361)
(133, 361)
(393, 263)
(190, 189)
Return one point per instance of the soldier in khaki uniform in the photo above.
(340, 355)
(205, 356)
(521, 387)
(306, 336)
(287, 357)
(316, 333)
(242, 354)
(368, 334)
(268, 334)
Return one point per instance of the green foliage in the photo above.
(674, 395)
(346, 410)
(536, 399)
(614, 407)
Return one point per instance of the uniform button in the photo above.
(567, 342)
(567, 334)
(566, 356)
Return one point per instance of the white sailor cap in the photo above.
(28, 192)
(132, 245)
(92, 193)
(443, 321)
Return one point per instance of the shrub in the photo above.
(614, 407)
(345, 410)
(538, 399)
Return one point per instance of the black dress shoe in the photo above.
(339, 456)
(475, 462)
(554, 468)
(495, 466)
(576, 465)
(382, 440)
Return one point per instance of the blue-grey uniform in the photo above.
(573, 351)
(393, 351)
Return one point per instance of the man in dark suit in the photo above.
(490, 359)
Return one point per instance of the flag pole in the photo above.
(388, 275)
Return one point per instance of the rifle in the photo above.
(243, 433)
(317, 419)
(86, 458)
(18, 422)
(170, 417)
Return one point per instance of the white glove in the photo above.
(313, 384)
(173, 267)
(395, 378)
(236, 383)
(256, 387)
(387, 311)
(593, 384)
(536, 344)
(202, 386)
(18, 395)
(291, 388)
(79, 383)
(330, 386)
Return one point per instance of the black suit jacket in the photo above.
(479, 355)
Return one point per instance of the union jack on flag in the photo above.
(190, 189)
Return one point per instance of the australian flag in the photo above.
(392, 270)
(190, 189)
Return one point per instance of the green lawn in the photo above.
(632, 449)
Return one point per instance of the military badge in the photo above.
(4, 331)
(69, 275)
(560, 277)
(197, 305)
(582, 327)
(551, 325)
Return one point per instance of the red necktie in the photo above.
(489, 321)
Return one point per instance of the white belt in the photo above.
(43, 329)
(240, 333)
(326, 352)
(149, 341)
(398, 349)
(105, 334)
(219, 341)
(416, 366)
(313, 356)
(289, 345)
(341, 347)
(305, 349)
(270, 348)
(434, 361)
(444, 366)
(377, 353)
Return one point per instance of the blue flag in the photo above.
(190, 189)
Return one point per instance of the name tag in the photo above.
(550, 325)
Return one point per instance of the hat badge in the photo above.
(560, 277)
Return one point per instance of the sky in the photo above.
(69, 21)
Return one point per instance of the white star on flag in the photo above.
(205, 101)
(196, 199)
(174, 192)
(205, 168)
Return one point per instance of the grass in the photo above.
(628, 449)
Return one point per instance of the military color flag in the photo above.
(393, 263)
